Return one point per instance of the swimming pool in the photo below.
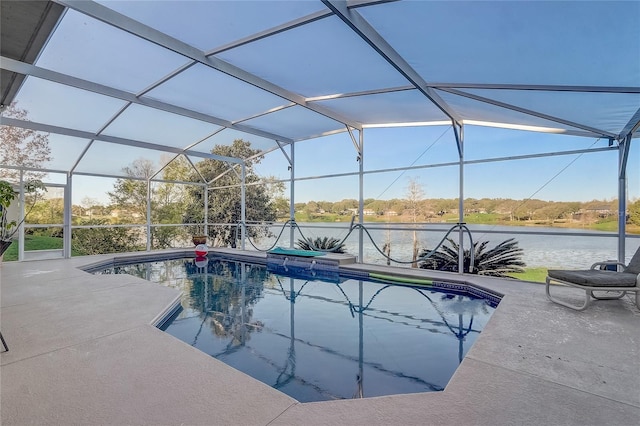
(319, 339)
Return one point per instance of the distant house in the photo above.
(599, 209)
(602, 210)
(390, 213)
(124, 213)
(365, 212)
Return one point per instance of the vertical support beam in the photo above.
(360, 340)
(205, 197)
(361, 196)
(68, 214)
(148, 214)
(459, 133)
(243, 208)
(22, 213)
(623, 155)
(292, 194)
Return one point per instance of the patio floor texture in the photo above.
(84, 350)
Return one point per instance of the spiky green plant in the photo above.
(322, 244)
(497, 262)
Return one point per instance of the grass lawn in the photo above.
(33, 242)
(532, 274)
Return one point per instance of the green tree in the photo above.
(47, 210)
(22, 147)
(497, 262)
(634, 213)
(378, 206)
(311, 208)
(9, 227)
(167, 199)
(167, 203)
(130, 195)
(275, 192)
(225, 202)
(99, 240)
(344, 206)
(85, 207)
(281, 206)
(445, 205)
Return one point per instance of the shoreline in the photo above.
(603, 227)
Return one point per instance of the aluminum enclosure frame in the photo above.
(348, 13)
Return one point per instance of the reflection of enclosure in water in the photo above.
(228, 293)
(288, 372)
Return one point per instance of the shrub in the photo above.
(499, 261)
(322, 244)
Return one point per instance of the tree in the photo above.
(87, 203)
(344, 205)
(22, 147)
(634, 213)
(167, 203)
(281, 205)
(49, 210)
(414, 194)
(497, 262)
(167, 199)
(225, 203)
(100, 240)
(311, 208)
(275, 191)
(130, 195)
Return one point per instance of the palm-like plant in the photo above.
(322, 244)
(497, 262)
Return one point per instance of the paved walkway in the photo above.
(84, 350)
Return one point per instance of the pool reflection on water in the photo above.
(319, 340)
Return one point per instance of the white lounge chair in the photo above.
(599, 279)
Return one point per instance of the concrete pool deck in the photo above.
(83, 350)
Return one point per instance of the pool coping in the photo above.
(534, 363)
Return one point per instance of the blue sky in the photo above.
(562, 178)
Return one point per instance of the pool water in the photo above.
(319, 340)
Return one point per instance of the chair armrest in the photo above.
(607, 263)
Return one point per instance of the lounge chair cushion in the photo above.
(634, 263)
(595, 277)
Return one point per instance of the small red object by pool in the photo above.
(202, 250)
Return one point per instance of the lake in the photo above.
(571, 249)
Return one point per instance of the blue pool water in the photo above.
(319, 340)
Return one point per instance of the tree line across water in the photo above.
(598, 214)
(129, 207)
